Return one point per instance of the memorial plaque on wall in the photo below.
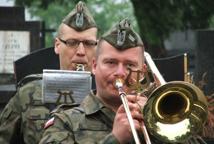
(14, 45)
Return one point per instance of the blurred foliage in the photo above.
(208, 129)
(106, 13)
(154, 19)
(157, 19)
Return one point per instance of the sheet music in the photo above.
(63, 86)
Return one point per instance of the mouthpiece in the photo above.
(119, 83)
(80, 67)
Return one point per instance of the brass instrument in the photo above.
(122, 94)
(137, 86)
(175, 111)
(80, 67)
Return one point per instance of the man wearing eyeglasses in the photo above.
(23, 119)
(76, 45)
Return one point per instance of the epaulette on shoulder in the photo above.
(79, 109)
(28, 79)
(63, 107)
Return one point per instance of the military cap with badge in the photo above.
(80, 18)
(122, 36)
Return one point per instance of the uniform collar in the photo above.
(91, 104)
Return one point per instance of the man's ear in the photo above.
(144, 68)
(94, 65)
(56, 45)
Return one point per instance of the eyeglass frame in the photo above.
(77, 43)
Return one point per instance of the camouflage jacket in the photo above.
(90, 123)
(23, 118)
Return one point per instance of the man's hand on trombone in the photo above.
(121, 126)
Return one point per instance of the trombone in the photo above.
(175, 111)
(122, 94)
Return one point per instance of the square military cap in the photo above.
(122, 36)
(80, 18)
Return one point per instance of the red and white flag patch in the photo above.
(49, 123)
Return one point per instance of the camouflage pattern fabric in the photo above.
(89, 123)
(23, 118)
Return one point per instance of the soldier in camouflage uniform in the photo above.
(101, 117)
(23, 118)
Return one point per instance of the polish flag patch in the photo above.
(50, 122)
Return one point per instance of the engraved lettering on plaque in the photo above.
(14, 45)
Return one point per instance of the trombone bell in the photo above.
(175, 111)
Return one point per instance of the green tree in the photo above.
(197, 14)
(157, 19)
(110, 11)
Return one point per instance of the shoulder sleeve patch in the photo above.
(64, 107)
